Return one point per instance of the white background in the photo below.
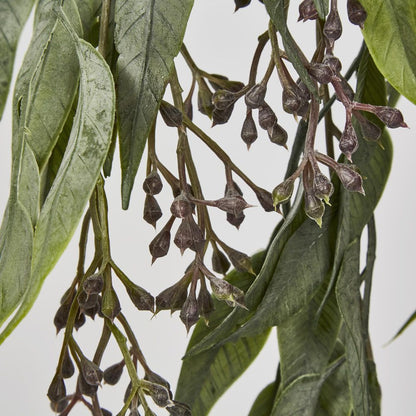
(221, 42)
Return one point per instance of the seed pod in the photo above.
(159, 246)
(127, 392)
(267, 117)
(85, 388)
(68, 368)
(222, 82)
(152, 185)
(249, 130)
(159, 394)
(232, 189)
(220, 263)
(322, 187)
(356, 13)
(188, 108)
(56, 390)
(86, 301)
(141, 299)
(189, 235)
(348, 143)
(221, 116)
(321, 72)
(157, 379)
(91, 372)
(225, 291)
(96, 309)
(173, 297)
(61, 317)
(59, 406)
(222, 99)
(67, 296)
(307, 11)
(181, 206)
(93, 284)
(205, 105)
(79, 320)
(241, 3)
(152, 211)
(351, 179)
(170, 114)
(110, 307)
(369, 130)
(391, 117)
(278, 135)
(205, 303)
(265, 199)
(332, 28)
(292, 99)
(113, 373)
(236, 220)
(239, 260)
(314, 208)
(283, 192)
(106, 412)
(233, 205)
(255, 96)
(178, 409)
(348, 91)
(189, 313)
(333, 62)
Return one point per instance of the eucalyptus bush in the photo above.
(103, 73)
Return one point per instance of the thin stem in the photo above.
(102, 345)
(263, 38)
(104, 22)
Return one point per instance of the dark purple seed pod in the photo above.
(356, 13)
(127, 392)
(283, 192)
(391, 117)
(189, 235)
(106, 412)
(221, 116)
(239, 260)
(61, 317)
(332, 28)
(67, 296)
(322, 187)
(190, 312)
(255, 96)
(222, 99)
(152, 185)
(205, 105)
(170, 114)
(152, 211)
(265, 199)
(314, 208)
(292, 99)
(241, 3)
(333, 62)
(225, 291)
(113, 373)
(307, 11)
(93, 284)
(278, 135)
(179, 409)
(236, 220)
(86, 301)
(157, 379)
(346, 87)
(205, 303)
(60, 406)
(369, 130)
(188, 107)
(220, 263)
(267, 117)
(233, 205)
(141, 298)
(232, 189)
(350, 178)
(68, 368)
(348, 143)
(181, 206)
(85, 388)
(159, 394)
(173, 297)
(91, 372)
(79, 320)
(249, 130)
(159, 246)
(321, 72)
(96, 309)
(57, 390)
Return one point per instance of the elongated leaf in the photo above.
(349, 301)
(276, 10)
(88, 145)
(409, 321)
(148, 35)
(13, 16)
(322, 6)
(390, 34)
(263, 404)
(205, 378)
(39, 114)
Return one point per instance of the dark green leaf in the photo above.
(13, 16)
(205, 377)
(276, 10)
(148, 35)
(264, 402)
(410, 320)
(80, 167)
(322, 6)
(390, 34)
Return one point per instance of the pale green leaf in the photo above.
(75, 180)
(13, 16)
(148, 35)
(390, 34)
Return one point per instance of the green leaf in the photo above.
(75, 180)
(276, 10)
(263, 404)
(322, 6)
(409, 321)
(148, 35)
(205, 377)
(13, 16)
(390, 34)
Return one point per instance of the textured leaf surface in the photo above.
(148, 35)
(390, 34)
(322, 6)
(88, 145)
(204, 378)
(263, 404)
(13, 16)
